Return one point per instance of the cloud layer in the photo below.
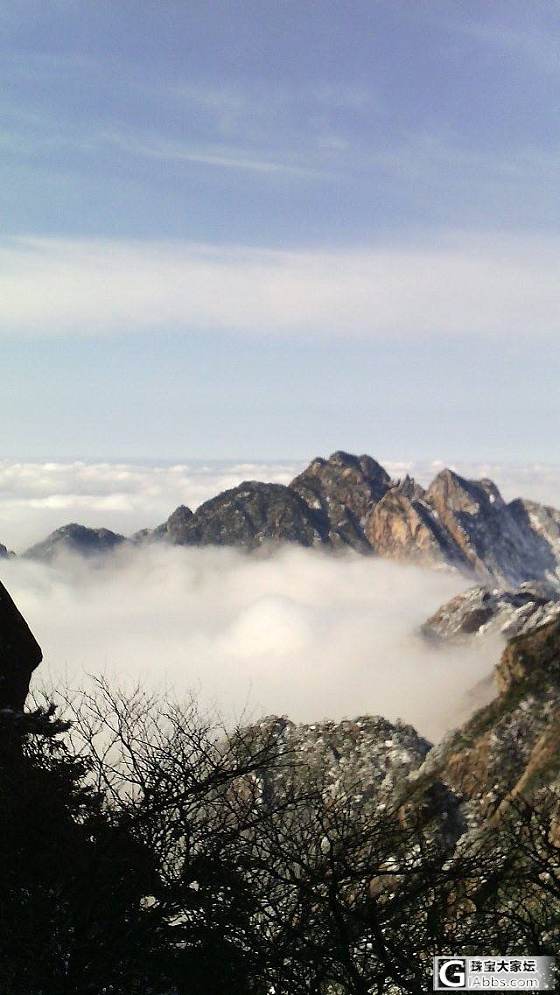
(459, 286)
(302, 633)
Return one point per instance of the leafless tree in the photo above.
(145, 850)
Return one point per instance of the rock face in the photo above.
(350, 501)
(369, 750)
(4, 554)
(403, 527)
(466, 524)
(511, 747)
(507, 749)
(19, 654)
(492, 538)
(170, 531)
(513, 744)
(365, 760)
(326, 504)
(76, 539)
(543, 521)
(249, 516)
(483, 610)
(344, 489)
(177, 524)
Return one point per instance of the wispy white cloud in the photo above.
(453, 286)
(264, 114)
(426, 156)
(263, 129)
(531, 42)
(217, 156)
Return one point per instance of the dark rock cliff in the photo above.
(20, 654)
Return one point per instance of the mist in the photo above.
(304, 633)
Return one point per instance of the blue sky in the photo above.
(270, 229)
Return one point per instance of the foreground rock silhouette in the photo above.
(20, 654)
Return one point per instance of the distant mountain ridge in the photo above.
(349, 501)
(75, 538)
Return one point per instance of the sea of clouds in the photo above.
(297, 632)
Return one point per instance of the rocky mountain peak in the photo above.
(362, 758)
(343, 488)
(409, 488)
(492, 540)
(177, 522)
(249, 516)
(449, 492)
(364, 465)
(494, 495)
(75, 539)
(544, 523)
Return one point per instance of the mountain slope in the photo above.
(249, 516)
(402, 526)
(350, 501)
(495, 541)
(510, 748)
